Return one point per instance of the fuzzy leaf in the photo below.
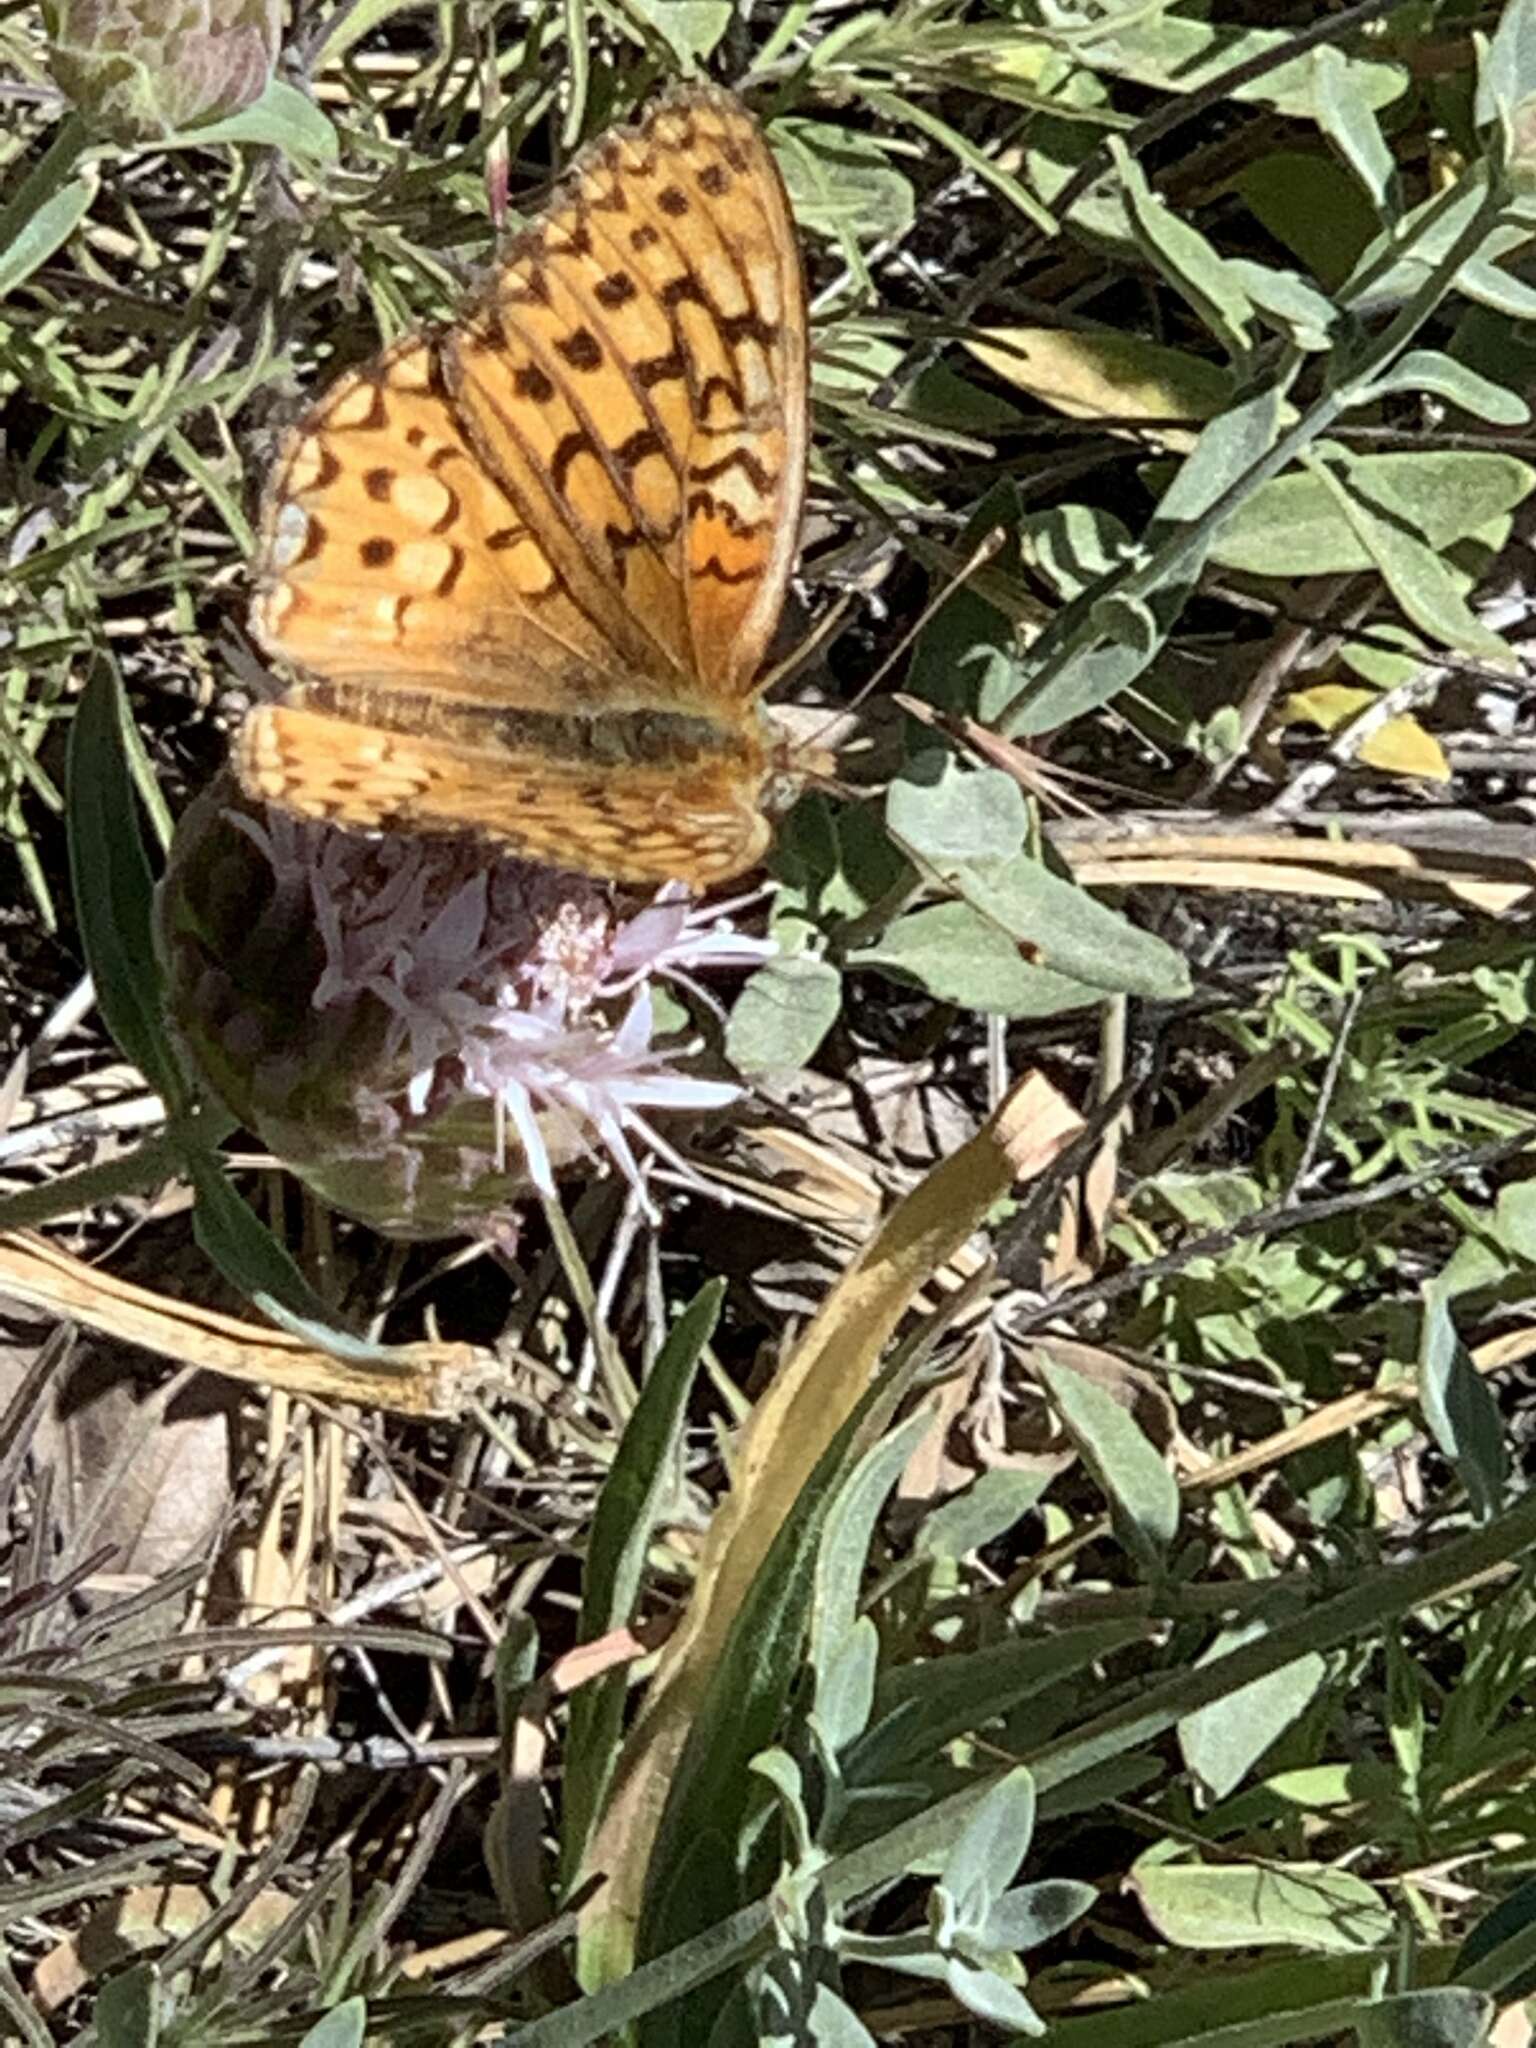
(782, 1014)
(1140, 1489)
(1239, 1905)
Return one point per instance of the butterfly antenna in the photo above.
(1042, 779)
(980, 555)
(819, 634)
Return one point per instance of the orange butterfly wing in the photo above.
(528, 569)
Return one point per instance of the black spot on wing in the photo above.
(581, 349)
(529, 381)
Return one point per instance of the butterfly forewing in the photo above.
(528, 569)
(657, 320)
(388, 551)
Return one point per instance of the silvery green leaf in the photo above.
(1352, 128)
(1422, 583)
(845, 1684)
(991, 1504)
(1507, 73)
(1142, 1492)
(1299, 309)
(944, 810)
(782, 1773)
(845, 1539)
(1185, 258)
(782, 1014)
(994, 1843)
(1031, 1914)
(1439, 2016)
(1074, 545)
(1227, 449)
(1428, 369)
(342, 2026)
(1222, 1741)
(834, 2024)
(992, 1997)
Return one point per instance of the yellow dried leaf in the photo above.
(1106, 376)
(1400, 747)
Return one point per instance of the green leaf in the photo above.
(981, 163)
(114, 888)
(1223, 1741)
(841, 183)
(1496, 1955)
(342, 2027)
(347, 27)
(29, 242)
(1312, 207)
(1294, 525)
(1514, 1218)
(782, 1014)
(635, 1490)
(1460, 1412)
(250, 1258)
(995, 1841)
(966, 658)
(1182, 53)
(1142, 1493)
(283, 118)
(1414, 573)
(1064, 930)
(945, 810)
(128, 2008)
(690, 28)
(1239, 1905)
(961, 957)
(696, 1872)
(920, 1707)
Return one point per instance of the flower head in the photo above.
(422, 1031)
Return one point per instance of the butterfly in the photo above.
(525, 567)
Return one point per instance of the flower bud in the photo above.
(143, 70)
